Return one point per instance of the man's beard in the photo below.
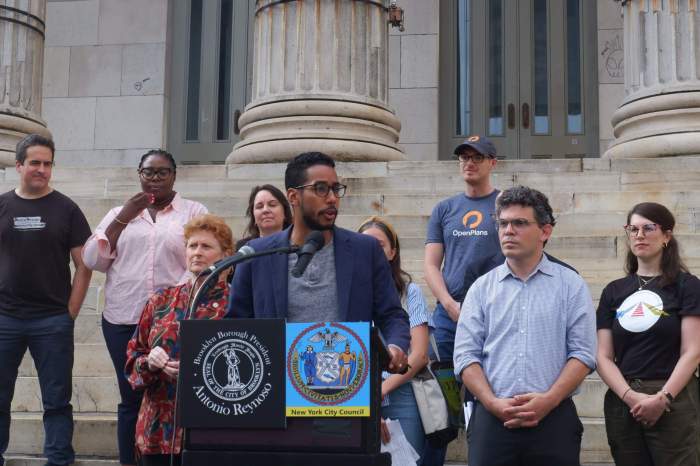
(312, 223)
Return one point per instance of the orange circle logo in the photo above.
(475, 215)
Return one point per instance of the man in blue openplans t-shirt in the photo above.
(461, 233)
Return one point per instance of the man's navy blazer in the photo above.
(366, 290)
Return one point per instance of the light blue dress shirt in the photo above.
(522, 333)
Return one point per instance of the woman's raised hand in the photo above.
(135, 206)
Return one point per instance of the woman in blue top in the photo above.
(397, 393)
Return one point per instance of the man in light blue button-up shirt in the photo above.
(525, 341)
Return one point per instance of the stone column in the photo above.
(319, 83)
(660, 115)
(21, 67)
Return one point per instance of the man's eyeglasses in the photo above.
(150, 173)
(517, 223)
(633, 230)
(476, 158)
(321, 188)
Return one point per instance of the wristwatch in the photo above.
(668, 395)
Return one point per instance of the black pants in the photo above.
(555, 441)
(116, 338)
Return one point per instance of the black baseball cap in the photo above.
(481, 144)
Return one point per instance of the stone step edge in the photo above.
(102, 416)
(95, 416)
(11, 460)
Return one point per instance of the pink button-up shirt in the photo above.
(149, 256)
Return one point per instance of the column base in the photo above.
(658, 126)
(347, 131)
(12, 129)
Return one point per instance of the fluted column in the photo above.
(319, 83)
(660, 115)
(21, 68)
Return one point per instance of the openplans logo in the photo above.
(471, 221)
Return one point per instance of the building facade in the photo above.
(543, 78)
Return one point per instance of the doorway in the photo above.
(523, 73)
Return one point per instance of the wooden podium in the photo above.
(264, 436)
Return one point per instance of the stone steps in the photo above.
(439, 178)
(91, 360)
(40, 461)
(594, 446)
(413, 205)
(98, 392)
(91, 394)
(95, 434)
(590, 197)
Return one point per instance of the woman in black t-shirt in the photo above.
(649, 348)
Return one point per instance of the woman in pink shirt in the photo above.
(141, 248)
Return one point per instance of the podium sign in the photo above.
(328, 369)
(231, 374)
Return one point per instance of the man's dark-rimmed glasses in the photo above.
(476, 158)
(321, 188)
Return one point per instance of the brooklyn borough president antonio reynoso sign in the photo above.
(232, 373)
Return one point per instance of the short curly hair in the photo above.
(525, 196)
(216, 226)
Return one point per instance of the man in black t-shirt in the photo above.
(40, 231)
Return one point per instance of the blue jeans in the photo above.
(444, 332)
(402, 406)
(50, 342)
(116, 338)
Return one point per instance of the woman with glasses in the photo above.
(141, 248)
(649, 348)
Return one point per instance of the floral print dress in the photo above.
(160, 326)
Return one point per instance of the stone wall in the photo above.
(413, 78)
(104, 70)
(105, 73)
(611, 67)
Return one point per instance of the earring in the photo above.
(665, 245)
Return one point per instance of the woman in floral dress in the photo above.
(153, 354)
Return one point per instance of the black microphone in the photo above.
(314, 242)
(226, 261)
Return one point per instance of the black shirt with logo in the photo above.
(646, 324)
(36, 236)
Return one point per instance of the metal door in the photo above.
(209, 79)
(522, 72)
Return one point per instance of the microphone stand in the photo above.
(216, 269)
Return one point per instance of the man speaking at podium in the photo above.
(348, 279)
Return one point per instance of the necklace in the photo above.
(643, 283)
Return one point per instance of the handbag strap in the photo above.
(433, 343)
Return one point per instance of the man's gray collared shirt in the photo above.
(522, 333)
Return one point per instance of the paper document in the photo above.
(402, 453)
(468, 409)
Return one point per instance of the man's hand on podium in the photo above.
(398, 363)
